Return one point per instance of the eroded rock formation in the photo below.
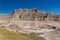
(29, 14)
(31, 20)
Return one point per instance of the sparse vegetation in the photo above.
(8, 35)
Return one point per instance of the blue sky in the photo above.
(7, 6)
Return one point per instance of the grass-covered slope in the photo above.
(8, 35)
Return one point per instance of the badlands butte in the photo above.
(46, 24)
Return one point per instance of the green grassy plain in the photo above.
(9, 35)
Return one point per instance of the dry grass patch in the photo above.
(8, 35)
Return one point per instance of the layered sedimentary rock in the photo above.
(31, 20)
(24, 14)
(34, 14)
(29, 14)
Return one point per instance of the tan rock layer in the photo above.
(29, 14)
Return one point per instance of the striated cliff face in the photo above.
(29, 14)
(33, 14)
(32, 20)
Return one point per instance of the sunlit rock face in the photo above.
(32, 20)
(28, 18)
(34, 14)
(30, 15)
